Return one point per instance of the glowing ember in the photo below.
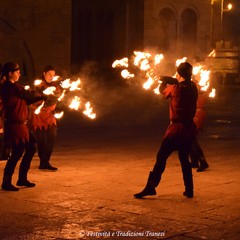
(58, 115)
(27, 87)
(75, 103)
(88, 111)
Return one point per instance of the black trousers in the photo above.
(27, 150)
(196, 152)
(45, 143)
(169, 145)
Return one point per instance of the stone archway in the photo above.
(168, 30)
(188, 32)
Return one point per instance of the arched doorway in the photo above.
(168, 30)
(188, 33)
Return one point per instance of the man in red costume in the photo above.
(16, 134)
(181, 131)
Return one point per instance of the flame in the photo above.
(37, 111)
(66, 83)
(179, 61)
(142, 60)
(74, 85)
(146, 63)
(62, 95)
(204, 80)
(37, 82)
(75, 103)
(126, 74)
(156, 90)
(26, 87)
(55, 78)
(58, 115)
(212, 53)
(88, 111)
(148, 83)
(196, 69)
(212, 94)
(158, 58)
(49, 90)
(120, 63)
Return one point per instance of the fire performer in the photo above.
(197, 156)
(181, 130)
(15, 100)
(44, 124)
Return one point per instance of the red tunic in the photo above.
(46, 116)
(182, 109)
(15, 112)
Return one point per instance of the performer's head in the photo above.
(185, 70)
(10, 72)
(48, 73)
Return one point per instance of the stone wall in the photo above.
(35, 33)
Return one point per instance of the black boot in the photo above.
(188, 181)
(188, 193)
(194, 164)
(7, 185)
(25, 183)
(48, 166)
(22, 176)
(203, 165)
(149, 189)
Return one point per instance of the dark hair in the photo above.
(185, 70)
(48, 68)
(7, 68)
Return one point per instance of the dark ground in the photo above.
(103, 162)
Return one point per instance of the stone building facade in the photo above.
(67, 33)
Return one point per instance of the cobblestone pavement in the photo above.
(100, 168)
